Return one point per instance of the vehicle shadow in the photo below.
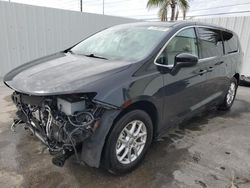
(244, 84)
(157, 167)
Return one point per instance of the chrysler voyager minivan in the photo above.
(109, 96)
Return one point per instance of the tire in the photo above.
(121, 142)
(230, 95)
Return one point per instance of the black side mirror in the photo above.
(185, 60)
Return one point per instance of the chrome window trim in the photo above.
(208, 58)
(167, 66)
(200, 59)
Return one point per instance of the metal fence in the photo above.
(29, 32)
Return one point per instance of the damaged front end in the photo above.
(61, 122)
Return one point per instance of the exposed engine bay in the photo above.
(62, 123)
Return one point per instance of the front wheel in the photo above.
(230, 95)
(128, 142)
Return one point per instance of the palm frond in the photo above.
(164, 5)
(163, 12)
(155, 3)
(183, 4)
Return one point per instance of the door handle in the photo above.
(210, 69)
(219, 63)
(201, 72)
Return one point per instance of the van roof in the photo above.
(174, 24)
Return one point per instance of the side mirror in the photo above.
(185, 60)
(181, 60)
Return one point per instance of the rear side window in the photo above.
(230, 42)
(210, 42)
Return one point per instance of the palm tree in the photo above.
(163, 12)
(174, 5)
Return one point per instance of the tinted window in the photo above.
(184, 41)
(230, 42)
(210, 42)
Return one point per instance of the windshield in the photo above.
(121, 43)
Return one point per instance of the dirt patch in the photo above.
(10, 179)
(50, 178)
(8, 99)
(4, 144)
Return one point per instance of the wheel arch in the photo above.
(145, 106)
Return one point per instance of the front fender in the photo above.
(93, 146)
(122, 89)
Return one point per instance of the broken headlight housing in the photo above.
(62, 122)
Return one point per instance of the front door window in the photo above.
(184, 41)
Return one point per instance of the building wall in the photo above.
(29, 32)
(240, 25)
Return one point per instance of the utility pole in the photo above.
(81, 5)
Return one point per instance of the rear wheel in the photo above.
(128, 142)
(230, 95)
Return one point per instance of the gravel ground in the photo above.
(211, 150)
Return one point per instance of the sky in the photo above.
(137, 8)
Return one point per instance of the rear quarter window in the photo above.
(230, 42)
(210, 41)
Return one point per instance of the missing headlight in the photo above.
(60, 122)
(70, 106)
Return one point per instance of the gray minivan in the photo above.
(109, 96)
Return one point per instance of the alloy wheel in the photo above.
(231, 93)
(131, 142)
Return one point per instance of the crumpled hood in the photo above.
(61, 74)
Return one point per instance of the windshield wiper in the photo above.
(95, 56)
